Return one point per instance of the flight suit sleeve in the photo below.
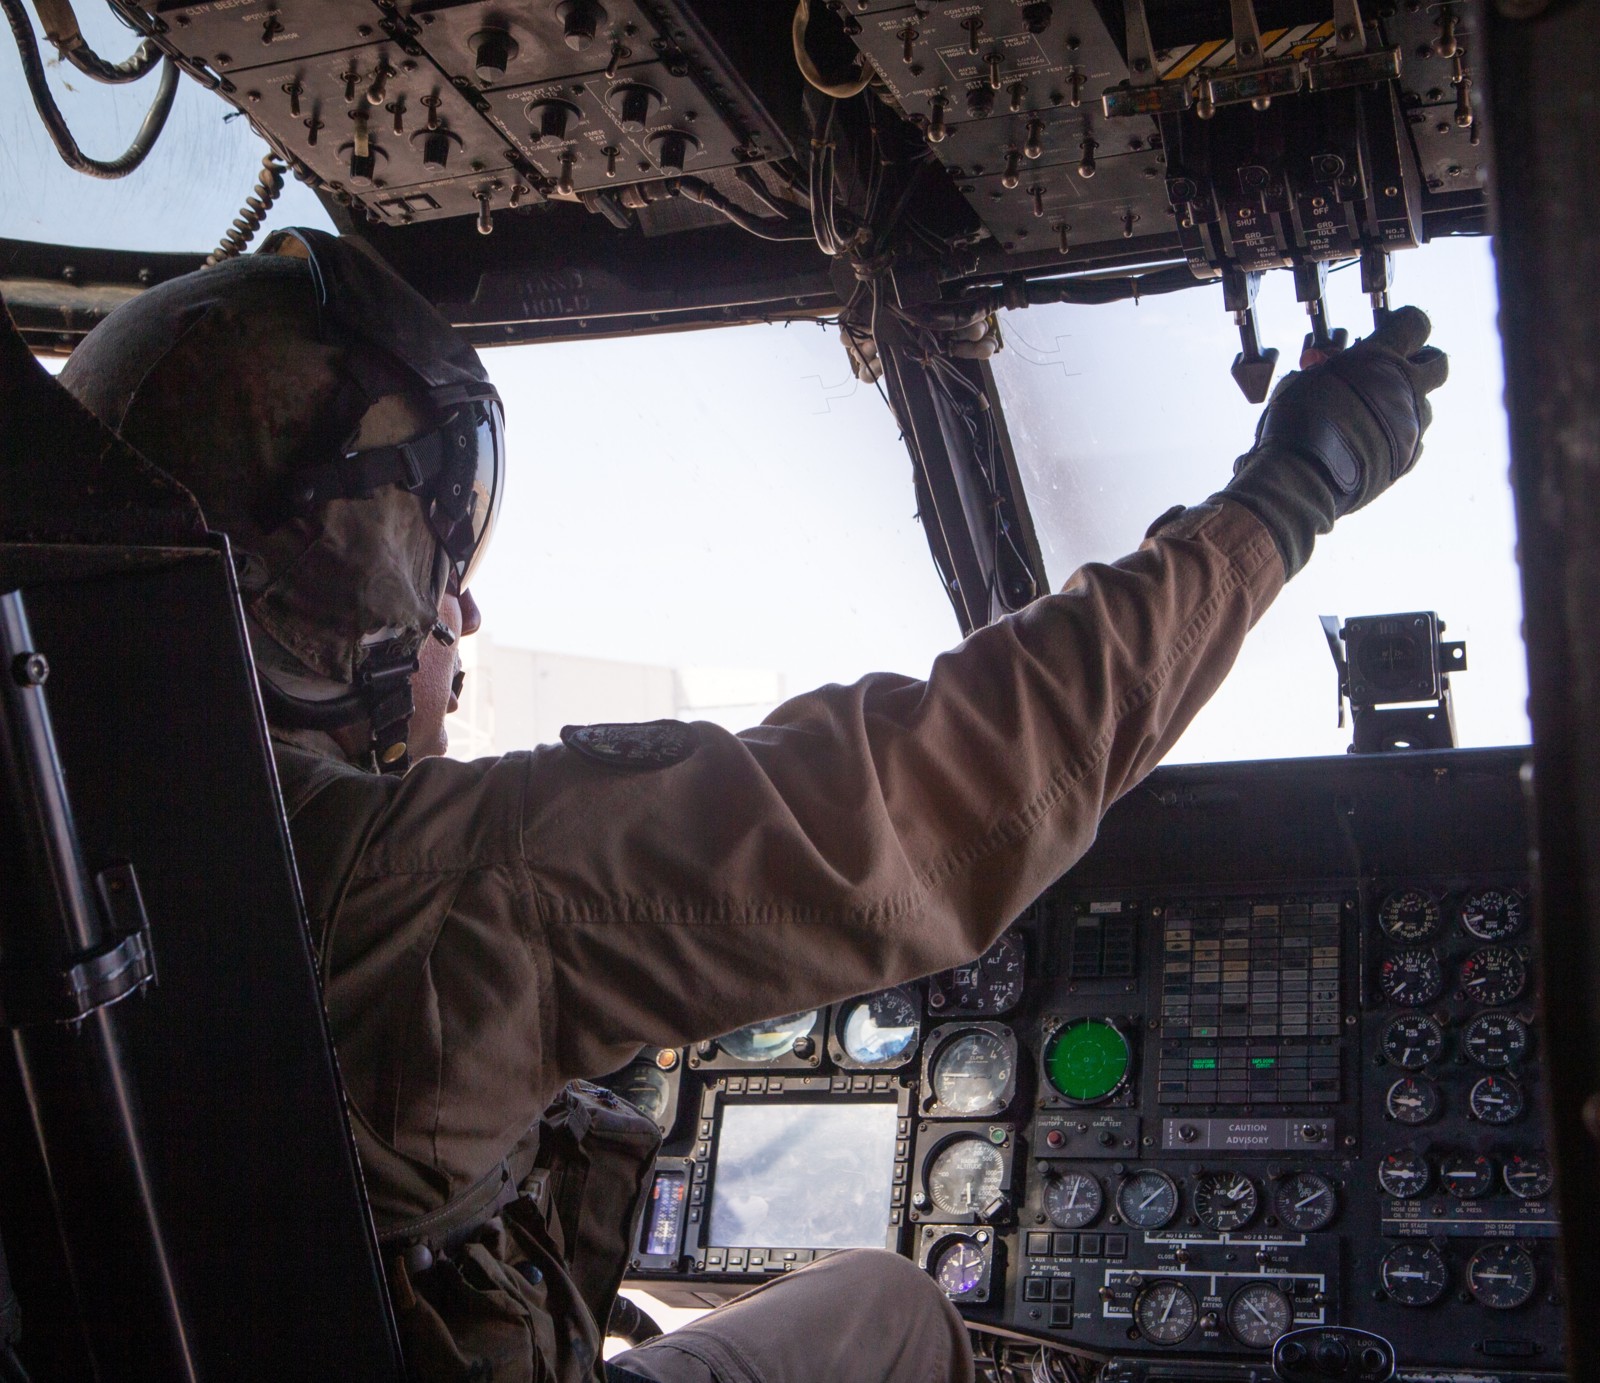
(865, 835)
(503, 926)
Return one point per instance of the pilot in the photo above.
(490, 933)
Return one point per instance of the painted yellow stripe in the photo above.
(1197, 55)
(1270, 39)
(1312, 41)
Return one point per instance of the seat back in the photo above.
(225, 1234)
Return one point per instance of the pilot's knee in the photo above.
(872, 1275)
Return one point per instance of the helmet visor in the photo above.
(463, 499)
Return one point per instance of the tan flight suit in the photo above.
(490, 931)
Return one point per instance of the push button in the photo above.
(1061, 1289)
(1034, 1289)
(1061, 1318)
(1066, 1245)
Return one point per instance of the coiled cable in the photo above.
(268, 188)
(33, 71)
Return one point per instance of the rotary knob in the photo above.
(672, 150)
(634, 104)
(580, 21)
(550, 120)
(493, 50)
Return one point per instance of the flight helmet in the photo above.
(341, 433)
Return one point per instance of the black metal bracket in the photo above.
(1395, 672)
(88, 980)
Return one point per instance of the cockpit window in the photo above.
(182, 198)
(695, 525)
(1118, 412)
(701, 524)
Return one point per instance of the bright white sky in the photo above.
(733, 498)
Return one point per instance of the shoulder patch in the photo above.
(634, 747)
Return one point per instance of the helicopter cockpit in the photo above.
(1289, 1076)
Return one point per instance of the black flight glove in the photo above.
(1336, 436)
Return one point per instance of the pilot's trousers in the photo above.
(861, 1316)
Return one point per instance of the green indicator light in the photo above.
(1204, 1063)
(1087, 1060)
(1263, 1063)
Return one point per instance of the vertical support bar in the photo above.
(1545, 126)
(970, 509)
(82, 1102)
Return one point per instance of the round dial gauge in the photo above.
(1414, 1274)
(1410, 915)
(1496, 1039)
(646, 1088)
(880, 1029)
(972, 1073)
(1528, 1176)
(1412, 1100)
(1492, 914)
(1403, 1173)
(1467, 1176)
(1496, 1100)
(1412, 1040)
(1165, 1312)
(1087, 1061)
(1225, 1200)
(1493, 975)
(1073, 1200)
(991, 984)
(769, 1039)
(1258, 1313)
(1411, 978)
(965, 1175)
(1306, 1201)
(1501, 1276)
(1148, 1199)
(959, 1267)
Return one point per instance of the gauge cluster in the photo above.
(1176, 1112)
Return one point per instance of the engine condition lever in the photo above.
(1377, 276)
(1310, 288)
(1253, 367)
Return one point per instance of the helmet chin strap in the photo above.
(383, 684)
(381, 695)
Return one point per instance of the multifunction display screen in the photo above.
(802, 1175)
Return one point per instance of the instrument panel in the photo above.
(1268, 1059)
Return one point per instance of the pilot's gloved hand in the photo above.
(1335, 436)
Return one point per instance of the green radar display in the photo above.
(1087, 1060)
